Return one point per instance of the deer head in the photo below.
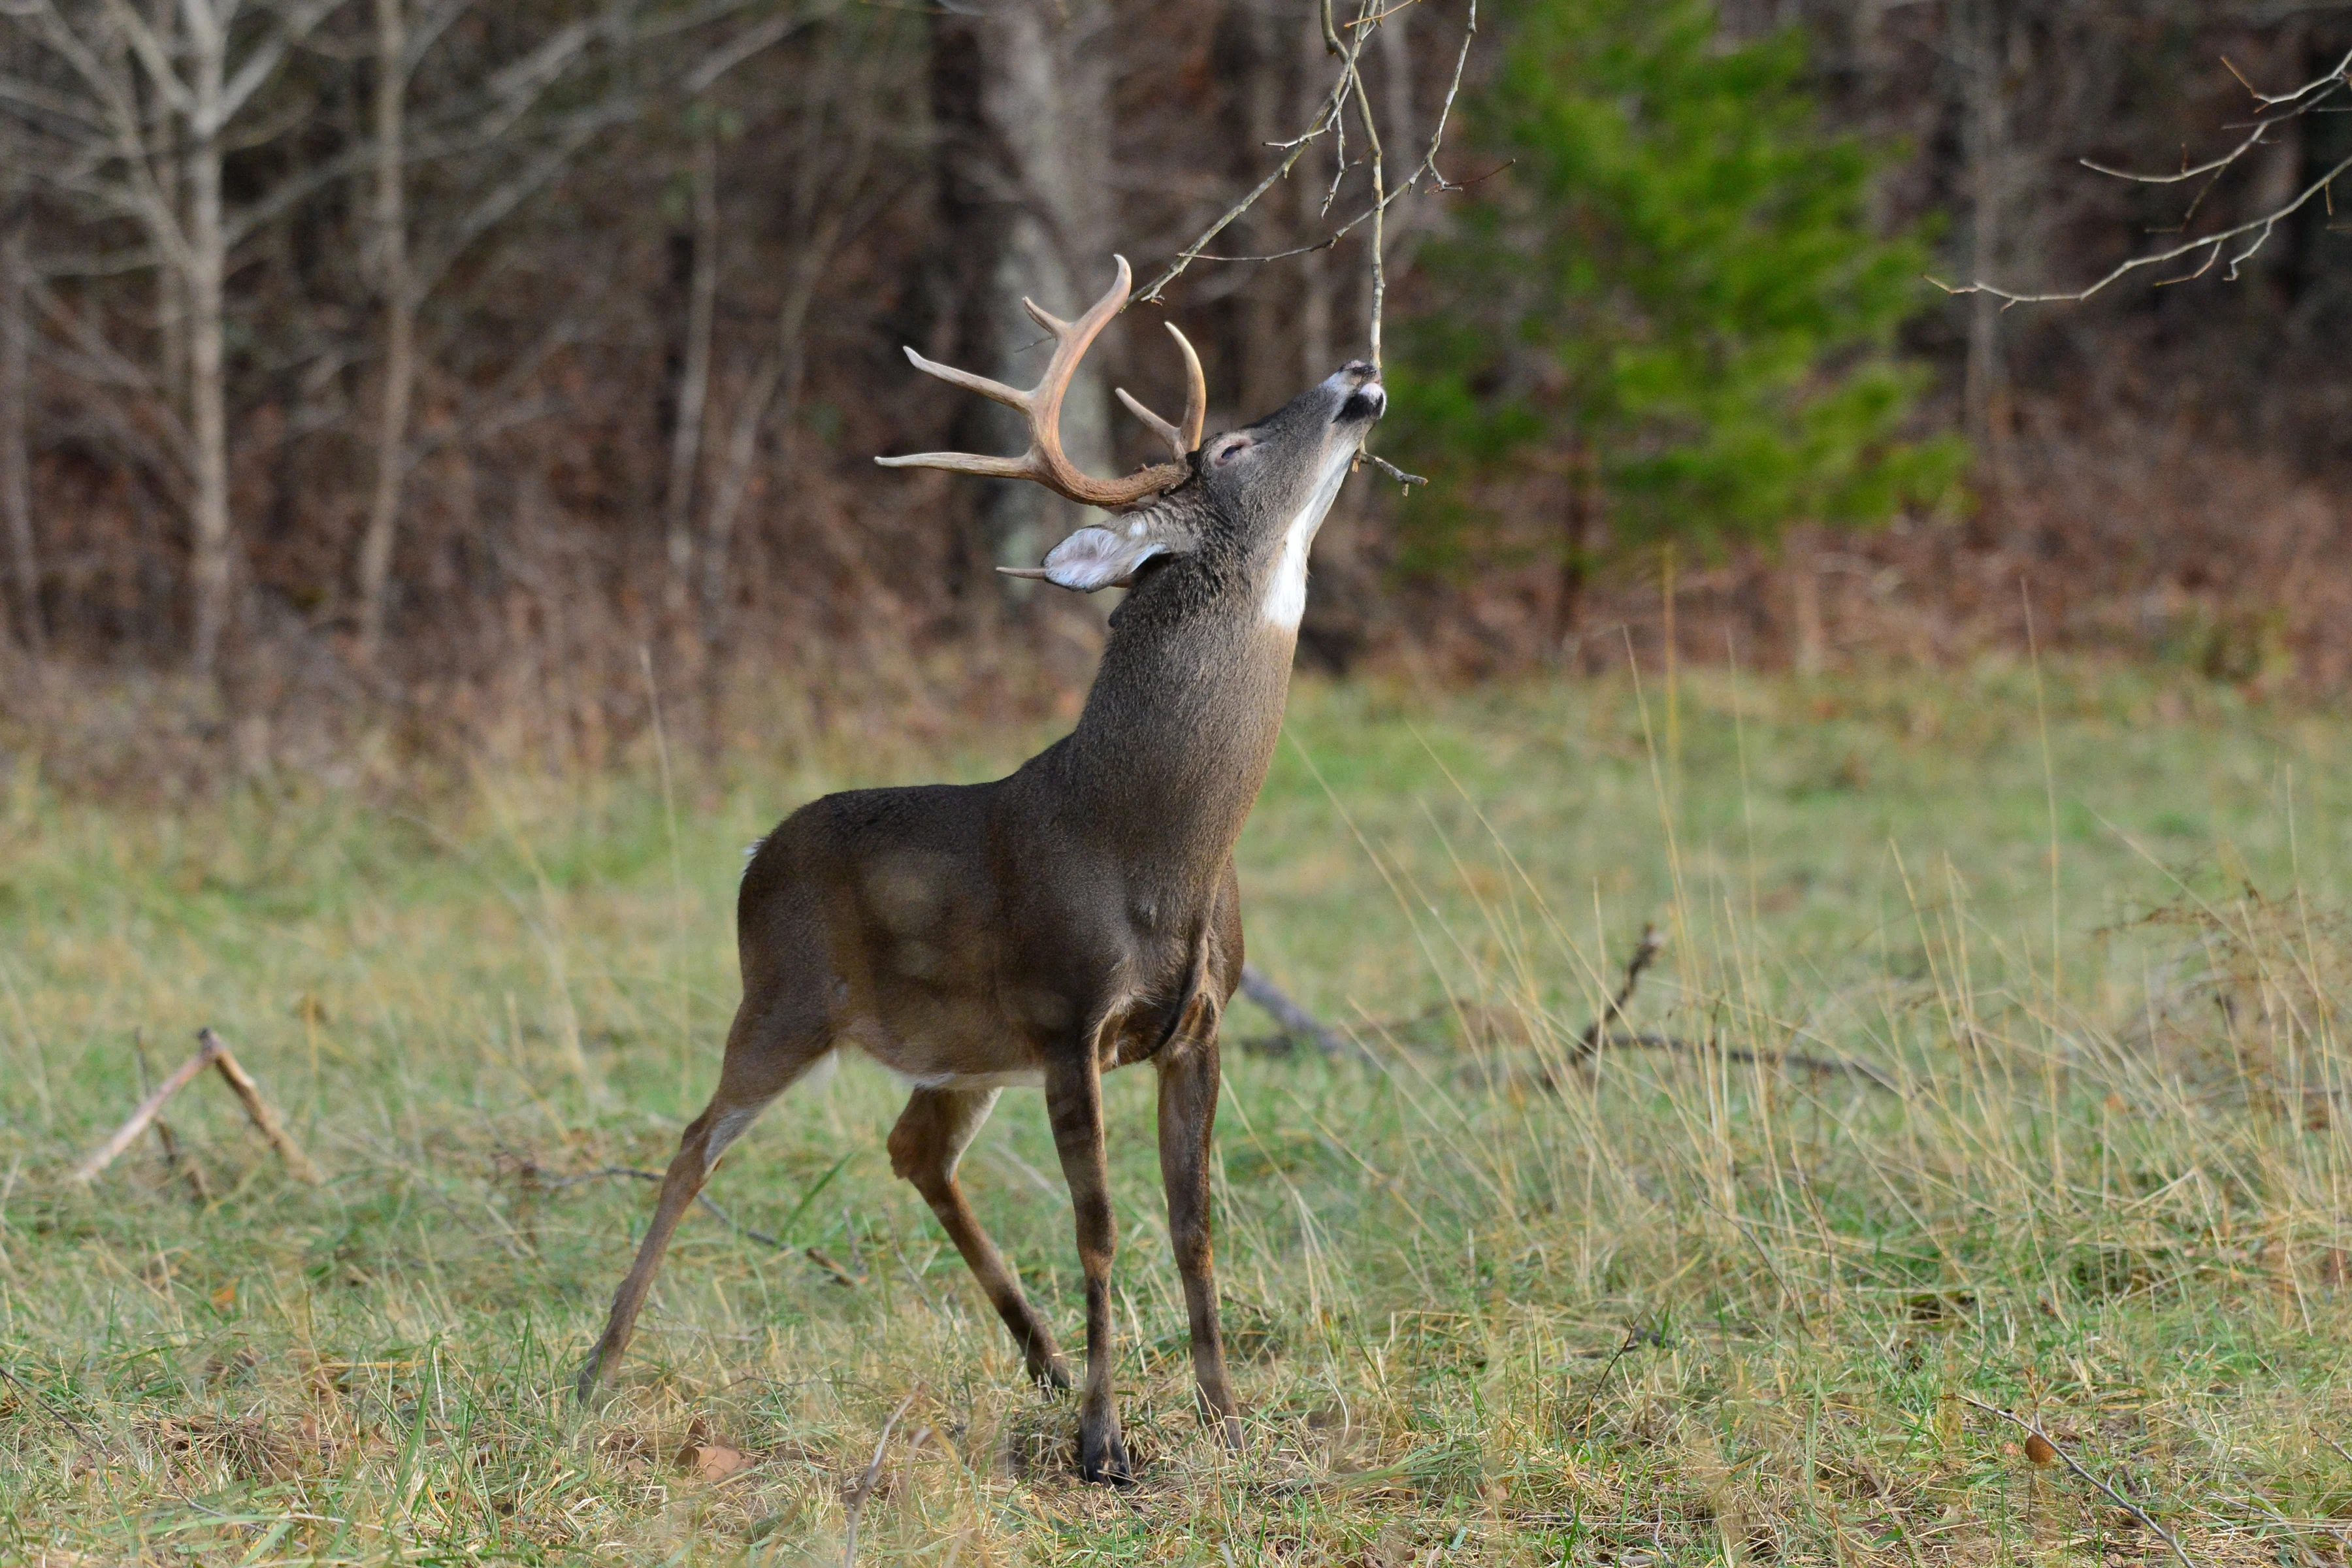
(1253, 498)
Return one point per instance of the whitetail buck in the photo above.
(1079, 915)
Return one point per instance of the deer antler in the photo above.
(1045, 461)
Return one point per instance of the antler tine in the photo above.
(1045, 461)
(1196, 392)
(1012, 397)
(1181, 439)
(1044, 318)
(1021, 468)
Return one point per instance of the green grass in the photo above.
(1485, 1308)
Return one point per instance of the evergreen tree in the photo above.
(1673, 294)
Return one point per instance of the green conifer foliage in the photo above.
(1674, 291)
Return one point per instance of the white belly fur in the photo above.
(1019, 1077)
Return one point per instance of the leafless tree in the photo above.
(138, 125)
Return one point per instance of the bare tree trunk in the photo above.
(164, 156)
(15, 397)
(775, 382)
(399, 381)
(206, 269)
(1986, 392)
(1028, 149)
(694, 377)
(1577, 521)
(1804, 573)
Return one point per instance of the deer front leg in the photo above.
(931, 1135)
(1074, 1105)
(1188, 1113)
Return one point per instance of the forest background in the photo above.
(399, 378)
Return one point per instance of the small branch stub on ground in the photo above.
(211, 1052)
(1296, 1022)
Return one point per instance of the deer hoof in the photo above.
(1102, 1457)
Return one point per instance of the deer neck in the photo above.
(1180, 728)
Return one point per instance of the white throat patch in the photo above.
(1285, 596)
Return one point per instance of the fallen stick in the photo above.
(854, 1496)
(729, 1220)
(258, 1109)
(2072, 1463)
(1296, 1021)
(211, 1052)
(125, 1134)
(198, 1187)
(1798, 1059)
(1597, 1036)
(1646, 952)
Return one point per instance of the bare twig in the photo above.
(211, 1052)
(1801, 1061)
(2072, 1463)
(1598, 1035)
(1635, 1335)
(41, 1403)
(2313, 97)
(729, 1221)
(1330, 118)
(841, 1275)
(1646, 952)
(854, 1496)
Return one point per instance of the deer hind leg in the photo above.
(761, 1063)
(931, 1135)
(1073, 1105)
(1188, 1113)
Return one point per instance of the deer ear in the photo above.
(1107, 556)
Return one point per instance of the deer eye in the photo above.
(1229, 448)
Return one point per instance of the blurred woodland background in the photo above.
(391, 377)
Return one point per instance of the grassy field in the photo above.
(1486, 1305)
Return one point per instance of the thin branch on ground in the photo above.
(1800, 1060)
(1598, 1035)
(211, 1052)
(841, 1275)
(854, 1496)
(41, 1403)
(1298, 1022)
(2319, 95)
(1645, 954)
(1636, 1335)
(729, 1221)
(2072, 1463)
